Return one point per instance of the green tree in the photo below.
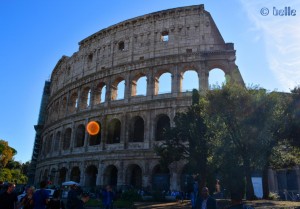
(243, 115)
(6, 153)
(188, 140)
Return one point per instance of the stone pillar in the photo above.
(99, 179)
(86, 137)
(150, 84)
(176, 81)
(127, 93)
(121, 174)
(82, 174)
(72, 141)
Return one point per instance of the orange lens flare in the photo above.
(93, 128)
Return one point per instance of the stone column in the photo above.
(72, 141)
(99, 180)
(121, 176)
(127, 88)
(82, 174)
(150, 84)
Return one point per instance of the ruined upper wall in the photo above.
(188, 29)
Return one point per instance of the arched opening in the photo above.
(165, 83)
(141, 86)
(160, 179)
(45, 176)
(216, 78)
(114, 131)
(137, 129)
(100, 93)
(67, 138)
(121, 90)
(190, 81)
(95, 139)
(91, 176)
(75, 174)
(57, 140)
(110, 176)
(73, 104)
(79, 137)
(121, 45)
(62, 175)
(85, 98)
(134, 176)
(162, 125)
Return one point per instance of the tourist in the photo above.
(205, 201)
(41, 197)
(8, 198)
(107, 197)
(27, 201)
(56, 202)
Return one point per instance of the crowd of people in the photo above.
(40, 199)
(76, 199)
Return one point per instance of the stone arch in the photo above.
(95, 139)
(114, 131)
(134, 176)
(139, 85)
(48, 144)
(137, 129)
(79, 136)
(118, 90)
(91, 176)
(110, 175)
(75, 174)
(216, 78)
(85, 98)
(73, 104)
(67, 139)
(163, 83)
(62, 175)
(100, 93)
(45, 175)
(160, 179)
(52, 175)
(189, 80)
(57, 141)
(163, 123)
(63, 108)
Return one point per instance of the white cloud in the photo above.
(281, 36)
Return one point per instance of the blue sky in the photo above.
(36, 34)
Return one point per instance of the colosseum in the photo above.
(101, 82)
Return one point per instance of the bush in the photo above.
(131, 195)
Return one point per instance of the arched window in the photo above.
(190, 81)
(162, 125)
(85, 98)
(80, 132)
(141, 86)
(118, 89)
(114, 132)
(73, 104)
(137, 130)
(216, 78)
(95, 139)
(100, 93)
(165, 83)
(75, 174)
(57, 140)
(67, 138)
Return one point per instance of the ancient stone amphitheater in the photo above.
(87, 87)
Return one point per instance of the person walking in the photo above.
(108, 197)
(8, 198)
(41, 197)
(27, 201)
(205, 201)
(56, 202)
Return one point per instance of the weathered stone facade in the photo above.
(170, 41)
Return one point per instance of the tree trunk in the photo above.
(265, 182)
(249, 186)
